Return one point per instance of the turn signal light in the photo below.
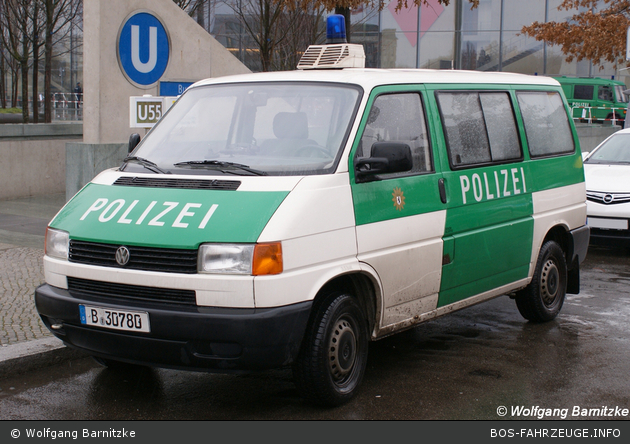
(267, 259)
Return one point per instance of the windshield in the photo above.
(254, 128)
(615, 150)
(621, 97)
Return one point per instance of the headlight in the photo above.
(57, 243)
(247, 259)
(225, 258)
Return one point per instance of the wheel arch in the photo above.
(362, 286)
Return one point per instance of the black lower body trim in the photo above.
(201, 339)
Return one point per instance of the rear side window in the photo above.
(479, 127)
(583, 92)
(546, 123)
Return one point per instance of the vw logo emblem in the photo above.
(122, 256)
(608, 198)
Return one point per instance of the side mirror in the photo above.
(387, 157)
(134, 140)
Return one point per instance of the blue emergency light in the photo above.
(336, 29)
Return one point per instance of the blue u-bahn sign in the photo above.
(143, 49)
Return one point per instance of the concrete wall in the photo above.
(592, 135)
(32, 158)
(84, 161)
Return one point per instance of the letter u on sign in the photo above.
(143, 49)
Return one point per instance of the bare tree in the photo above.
(23, 23)
(16, 41)
(59, 15)
(304, 27)
(191, 6)
(261, 21)
(37, 29)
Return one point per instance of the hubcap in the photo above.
(549, 282)
(342, 350)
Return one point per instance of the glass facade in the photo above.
(487, 38)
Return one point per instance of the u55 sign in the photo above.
(145, 111)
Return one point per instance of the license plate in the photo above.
(609, 224)
(115, 319)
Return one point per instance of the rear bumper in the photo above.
(193, 338)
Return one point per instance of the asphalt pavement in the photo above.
(25, 342)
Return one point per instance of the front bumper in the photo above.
(610, 238)
(192, 338)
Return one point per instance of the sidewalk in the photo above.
(24, 340)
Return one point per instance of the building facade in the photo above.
(487, 38)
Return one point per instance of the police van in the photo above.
(288, 219)
(595, 100)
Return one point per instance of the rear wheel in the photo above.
(333, 357)
(542, 300)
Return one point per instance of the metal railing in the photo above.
(586, 113)
(67, 106)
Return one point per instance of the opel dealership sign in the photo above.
(143, 49)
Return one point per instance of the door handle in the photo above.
(442, 189)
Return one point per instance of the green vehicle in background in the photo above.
(595, 100)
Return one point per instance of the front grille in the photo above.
(166, 260)
(607, 198)
(189, 184)
(122, 293)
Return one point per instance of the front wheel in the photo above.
(333, 357)
(542, 300)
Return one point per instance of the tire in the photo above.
(542, 300)
(333, 357)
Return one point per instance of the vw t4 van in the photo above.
(289, 218)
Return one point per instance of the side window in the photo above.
(583, 92)
(398, 118)
(479, 127)
(546, 123)
(605, 93)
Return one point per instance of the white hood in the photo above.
(607, 178)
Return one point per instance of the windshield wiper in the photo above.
(151, 166)
(218, 163)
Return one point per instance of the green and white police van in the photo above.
(290, 218)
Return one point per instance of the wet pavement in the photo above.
(25, 343)
(462, 366)
(22, 228)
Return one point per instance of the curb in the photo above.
(31, 355)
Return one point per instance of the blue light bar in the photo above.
(336, 29)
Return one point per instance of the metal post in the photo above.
(501, 38)
(418, 30)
